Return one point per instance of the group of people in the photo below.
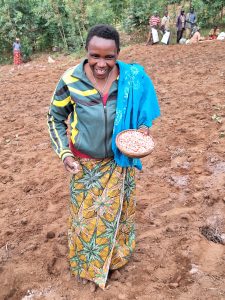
(183, 23)
(188, 31)
(186, 23)
(156, 25)
(195, 36)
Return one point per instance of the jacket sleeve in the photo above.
(59, 111)
(148, 107)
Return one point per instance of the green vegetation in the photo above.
(43, 24)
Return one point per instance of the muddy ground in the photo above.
(180, 192)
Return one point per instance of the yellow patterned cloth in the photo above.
(101, 222)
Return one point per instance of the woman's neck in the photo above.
(102, 85)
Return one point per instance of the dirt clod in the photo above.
(50, 235)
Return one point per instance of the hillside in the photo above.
(180, 192)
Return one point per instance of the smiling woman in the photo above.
(101, 68)
(102, 96)
(102, 54)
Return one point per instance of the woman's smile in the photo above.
(99, 72)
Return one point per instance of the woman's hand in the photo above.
(144, 130)
(71, 165)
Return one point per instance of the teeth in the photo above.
(101, 71)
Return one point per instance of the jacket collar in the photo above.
(79, 71)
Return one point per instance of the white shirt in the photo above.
(166, 23)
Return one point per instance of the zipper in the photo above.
(105, 114)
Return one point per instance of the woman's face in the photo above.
(102, 55)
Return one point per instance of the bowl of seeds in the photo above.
(134, 143)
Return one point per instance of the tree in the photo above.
(42, 24)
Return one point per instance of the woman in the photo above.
(214, 32)
(102, 96)
(196, 38)
(17, 52)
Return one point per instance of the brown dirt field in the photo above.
(180, 189)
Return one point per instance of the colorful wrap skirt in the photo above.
(17, 57)
(101, 230)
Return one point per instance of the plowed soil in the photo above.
(180, 192)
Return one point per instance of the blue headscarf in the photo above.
(137, 105)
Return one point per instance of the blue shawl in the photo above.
(137, 105)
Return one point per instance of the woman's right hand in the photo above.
(71, 165)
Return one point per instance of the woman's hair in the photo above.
(104, 31)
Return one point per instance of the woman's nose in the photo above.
(101, 62)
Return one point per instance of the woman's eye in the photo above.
(94, 55)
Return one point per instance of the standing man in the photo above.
(181, 21)
(191, 22)
(165, 27)
(154, 23)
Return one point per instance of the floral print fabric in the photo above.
(101, 222)
(17, 57)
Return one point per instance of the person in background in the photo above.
(180, 24)
(101, 96)
(191, 22)
(154, 23)
(165, 25)
(196, 38)
(214, 32)
(17, 52)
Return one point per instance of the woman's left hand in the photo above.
(144, 130)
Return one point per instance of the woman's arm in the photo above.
(59, 110)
